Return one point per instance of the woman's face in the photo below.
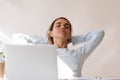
(61, 29)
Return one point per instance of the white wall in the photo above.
(35, 16)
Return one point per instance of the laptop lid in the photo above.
(31, 62)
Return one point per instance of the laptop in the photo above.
(31, 62)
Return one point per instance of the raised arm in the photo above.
(91, 39)
(25, 38)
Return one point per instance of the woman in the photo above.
(70, 61)
(59, 34)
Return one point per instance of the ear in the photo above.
(51, 35)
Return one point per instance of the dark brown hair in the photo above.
(50, 39)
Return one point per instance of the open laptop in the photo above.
(31, 62)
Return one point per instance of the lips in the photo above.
(61, 31)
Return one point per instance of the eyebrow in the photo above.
(58, 22)
(66, 23)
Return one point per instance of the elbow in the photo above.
(102, 33)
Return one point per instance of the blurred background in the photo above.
(35, 16)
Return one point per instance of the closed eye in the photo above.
(67, 26)
(58, 24)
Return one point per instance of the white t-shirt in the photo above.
(70, 61)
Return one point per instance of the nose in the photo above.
(62, 26)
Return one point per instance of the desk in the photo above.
(82, 78)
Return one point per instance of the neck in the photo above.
(60, 43)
